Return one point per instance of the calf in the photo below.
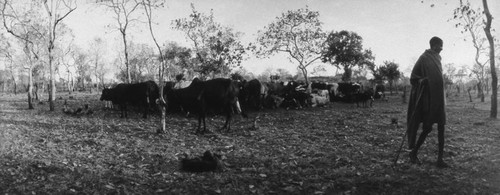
(140, 94)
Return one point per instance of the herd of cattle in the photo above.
(225, 96)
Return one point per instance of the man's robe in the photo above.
(427, 100)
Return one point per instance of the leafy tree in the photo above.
(377, 75)
(284, 74)
(344, 49)
(236, 76)
(178, 60)
(390, 71)
(218, 48)
(297, 33)
(245, 75)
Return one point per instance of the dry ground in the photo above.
(338, 149)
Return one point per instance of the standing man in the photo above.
(427, 100)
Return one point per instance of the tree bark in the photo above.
(30, 87)
(52, 89)
(129, 79)
(494, 79)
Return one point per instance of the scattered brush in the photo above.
(205, 163)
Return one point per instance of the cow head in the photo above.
(106, 94)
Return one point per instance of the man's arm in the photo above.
(417, 74)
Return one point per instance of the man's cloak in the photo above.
(427, 100)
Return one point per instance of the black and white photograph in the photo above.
(229, 97)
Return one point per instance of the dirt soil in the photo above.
(337, 149)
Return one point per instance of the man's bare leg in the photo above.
(426, 129)
(440, 162)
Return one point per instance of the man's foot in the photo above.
(413, 158)
(442, 164)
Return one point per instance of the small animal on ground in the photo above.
(205, 163)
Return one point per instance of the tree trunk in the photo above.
(304, 73)
(470, 96)
(346, 77)
(494, 79)
(30, 88)
(390, 86)
(52, 85)
(129, 79)
(15, 88)
(14, 82)
(69, 84)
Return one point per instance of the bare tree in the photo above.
(124, 11)
(65, 60)
(56, 10)
(11, 66)
(148, 5)
(97, 53)
(474, 21)
(494, 79)
(24, 25)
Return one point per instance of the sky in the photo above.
(395, 30)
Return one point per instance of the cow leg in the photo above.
(146, 110)
(123, 107)
(199, 124)
(125, 110)
(227, 125)
(204, 124)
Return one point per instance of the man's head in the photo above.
(436, 44)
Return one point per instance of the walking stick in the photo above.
(412, 119)
(400, 147)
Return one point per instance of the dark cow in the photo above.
(364, 98)
(173, 103)
(295, 96)
(250, 94)
(272, 101)
(296, 99)
(140, 94)
(346, 92)
(216, 95)
(319, 86)
(275, 88)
